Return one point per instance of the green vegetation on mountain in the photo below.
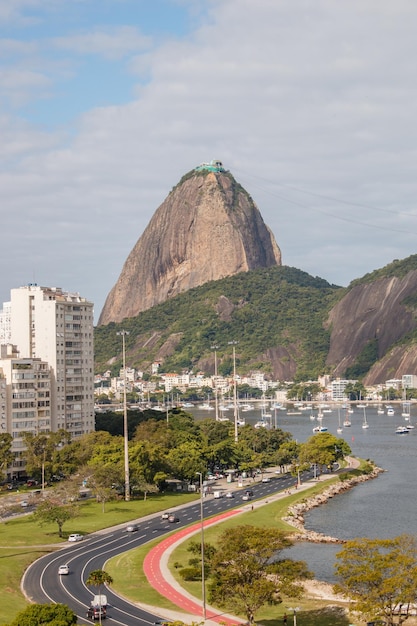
(398, 268)
(278, 307)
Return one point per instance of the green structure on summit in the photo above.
(213, 166)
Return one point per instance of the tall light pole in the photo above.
(216, 396)
(295, 609)
(123, 334)
(203, 578)
(235, 415)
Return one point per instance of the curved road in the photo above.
(42, 584)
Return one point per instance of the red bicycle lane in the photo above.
(157, 579)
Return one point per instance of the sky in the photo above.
(106, 104)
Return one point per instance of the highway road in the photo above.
(42, 584)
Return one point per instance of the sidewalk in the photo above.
(160, 578)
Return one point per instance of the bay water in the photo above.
(380, 508)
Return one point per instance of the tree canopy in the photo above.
(246, 573)
(45, 614)
(380, 575)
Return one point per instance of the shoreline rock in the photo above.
(298, 510)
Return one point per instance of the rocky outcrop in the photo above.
(298, 510)
(206, 229)
(374, 311)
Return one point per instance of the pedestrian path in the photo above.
(159, 577)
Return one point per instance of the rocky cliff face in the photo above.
(206, 229)
(375, 311)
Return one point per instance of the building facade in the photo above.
(57, 327)
(25, 400)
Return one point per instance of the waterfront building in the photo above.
(337, 388)
(409, 381)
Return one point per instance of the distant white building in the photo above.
(337, 388)
(409, 381)
(5, 324)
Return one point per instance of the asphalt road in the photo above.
(42, 584)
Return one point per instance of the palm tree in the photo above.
(98, 578)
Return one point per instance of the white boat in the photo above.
(402, 430)
(320, 429)
(339, 428)
(261, 424)
(365, 422)
(206, 407)
(380, 410)
(390, 411)
(406, 411)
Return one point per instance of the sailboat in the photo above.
(347, 421)
(365, 423)
(339, 428)
(406, 411)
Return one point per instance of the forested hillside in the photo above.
(276, 315)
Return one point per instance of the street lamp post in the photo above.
(203, 578)
(123, 334)
(216, 396)
(233, 343)
(294, 610)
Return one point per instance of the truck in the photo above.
(218, 494)
(98, 607)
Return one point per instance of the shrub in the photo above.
(190, 573)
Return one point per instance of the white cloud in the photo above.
(111, 43)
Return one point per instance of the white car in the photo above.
(266, 479)
(75, 537)
(63, 570)
(229, 494)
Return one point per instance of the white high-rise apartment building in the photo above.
(56, 326)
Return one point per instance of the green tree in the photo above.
(98, 578)
(40, 453)
(323, 449)
(380, 575)
(49, 512)
(45, 614)
(246, 572)
(6, 454)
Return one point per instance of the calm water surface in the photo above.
(380, 508)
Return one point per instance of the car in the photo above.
(229, 494)
(24, 504)
(246, 496)
(249, 492)
(266, 479)
(95, 612)
(63, 570)
(75, 537)
(173, 518)
(165, 515)
(132, 528)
